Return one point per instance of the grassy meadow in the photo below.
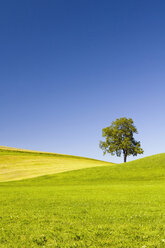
(118, 206)
(16, 164)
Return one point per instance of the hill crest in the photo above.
(17, 164)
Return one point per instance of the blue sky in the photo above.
(69, 68)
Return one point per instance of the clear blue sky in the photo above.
(69, 68)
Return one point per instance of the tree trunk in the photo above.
(125, 156)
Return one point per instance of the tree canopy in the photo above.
(119, 139)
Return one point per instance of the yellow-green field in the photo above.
(16, 164)
(116, 206)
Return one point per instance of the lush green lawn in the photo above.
(119, 206)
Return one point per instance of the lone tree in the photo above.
(119, 139)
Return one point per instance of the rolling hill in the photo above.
(16, 164)
(118, 206)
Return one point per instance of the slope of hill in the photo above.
(16, 164)
(150, 168)
(119, 206)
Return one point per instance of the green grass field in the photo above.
(118, 206)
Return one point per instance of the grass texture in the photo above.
(118, 206)
(16, 164)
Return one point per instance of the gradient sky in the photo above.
(69, 68)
